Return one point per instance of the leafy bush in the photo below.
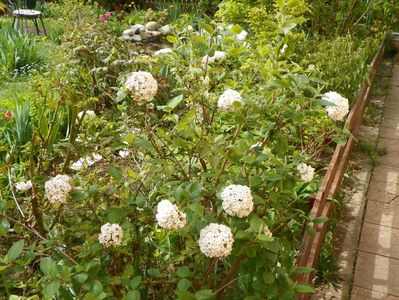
(18, 52)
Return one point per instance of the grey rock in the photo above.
(145, 35)
(138, 28)
(154, 33)
(136, 38)
(165, 30)
(152, 26)
(128, 32)
(127, 38)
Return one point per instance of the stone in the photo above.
(144, 35)
(138, 28)
(136, 38)
(129, 32)
(154, 33)
(152, 26)
(127, 38)
(165, 30)
(364, 294)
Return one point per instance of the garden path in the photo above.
(377, 266)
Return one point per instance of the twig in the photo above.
(13, 194)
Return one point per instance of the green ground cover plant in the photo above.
(183, 173)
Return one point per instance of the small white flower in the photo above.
(142, 87)
(124, 153)
(89, 113)
(340, 109)
(306, 172)
(216, 240)
(23, 186)
(86, 162)
(78, 165)
(111, 235)
(162, 52)
(57, 189)
(267, 232)
(227, 99)
(169, 217)
(256, 145)
(237, 200)
(242, 36)
(97, 157)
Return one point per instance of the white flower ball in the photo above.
(306, 172)
(57, 189)
(216, 240)
(111, 235)
(142, 87)
(340, 109)
(169, 217)
(89, 113)
(218, 55)
(226, 100)
(23, 186)
(162, 52)
(237, 200)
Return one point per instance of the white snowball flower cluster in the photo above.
(306, 172)
(86, 161)
(237, 200)
(23, 186)
(169, 216)
(216, 240)
(89, 113)
(226, 100)
(162, 52)
(111, 235)
(57, 189)
(340, 109)
(218, 55)
(142, 87)
(242, 35)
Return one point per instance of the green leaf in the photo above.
(199, 39)
(184, 284)
(80, 278)
(154, 272)
(135, 282)
(48, 266)
(4, 227)
(115, 173)
(184, 272)
(142, 143)
(133, 295)
(301, 270)
(207, 27)
(304, 288)
(78, 195)
(52, 288)
(322, 102)
(268, 278)
(184, 295)
(205, 295)
(172, 104)
(15, 251)
(310, 230)
(171, 39)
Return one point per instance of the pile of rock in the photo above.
(145, 33)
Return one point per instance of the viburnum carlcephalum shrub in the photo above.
(193, 184)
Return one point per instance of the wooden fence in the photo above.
(311, 246)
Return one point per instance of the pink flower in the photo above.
(105, 16)
(8, 115)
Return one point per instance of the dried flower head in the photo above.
(141, 86)
(169, 216)
(57, 189)
(216, 240)
(237, 200)
(111, 235)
